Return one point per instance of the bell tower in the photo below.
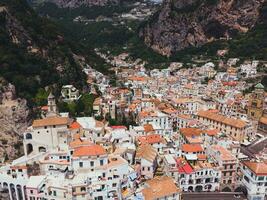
(256, 103)
(51, 103)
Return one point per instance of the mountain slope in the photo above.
(34, 55)
(183, 23)
(77, 3)
(33, 52)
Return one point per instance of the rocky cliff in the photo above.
(33, 55)
(183, 23)
(79, 3)
(14, 117)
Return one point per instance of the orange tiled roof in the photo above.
(212, 132)
(160, 187)
(192, 148)
(93, 150)
(224, 153)
(201, 157)
(97, 101)
(44, 108)
(148, 128)
(150, 139)
(78, 142)
(169, 110)
(50, 121)
(184, 116)
(19, 167)
(75, 125)
(189, 132)
(147, 152)
(259, 168)
(138, 78)
(263, 120)
(238, 123)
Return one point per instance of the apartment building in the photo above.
(255, 179)
(235, 128)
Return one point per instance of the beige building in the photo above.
(235, 128)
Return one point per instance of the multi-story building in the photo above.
(155, 117)
(227, 162)
(161, 188)
(235, 128)
(201, 176)
(256, 102)
(70, 93)
(255, 179)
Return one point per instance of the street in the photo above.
(212, 196)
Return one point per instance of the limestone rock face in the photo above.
(183, 23)
(14, 118)
(78, 3)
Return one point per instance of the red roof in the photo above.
(92, 150)
(150, 139)
(212, 132)
(230, 83)
(44, 108)
(118, 127)
(75, 125)
(183, 166)
(192, 148)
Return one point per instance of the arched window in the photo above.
(28, 136)
(42, 149)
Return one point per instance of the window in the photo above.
(31, 191)
(246, 178)
(92, 163)
(260, 178)
(114, 184)
(101, 162)
(81, 164)
(55, 193)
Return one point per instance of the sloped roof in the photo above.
(50, 121)
(147, 152)
(92, 150)
(160, 187)
(259, 168)
(238, 123)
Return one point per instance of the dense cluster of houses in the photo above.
(185, 132)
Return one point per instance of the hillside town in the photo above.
(169, 133)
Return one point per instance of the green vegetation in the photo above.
(28, 71)
(61, 38)
(82, 107)
(93, 12)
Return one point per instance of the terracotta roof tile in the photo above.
(259, 168)
(92, 150)
(189, 132)
(192, 148)
(263, 120)
(50, 121)
(238, 123)
(150, 139)
(147, 152)
(160, 187)
(148, 128)
(75, 125)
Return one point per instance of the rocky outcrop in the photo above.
(78, 3)
(183, 23)
(14, 117)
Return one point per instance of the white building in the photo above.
(255, 179)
